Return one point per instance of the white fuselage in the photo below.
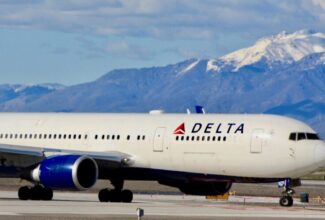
(239, 145)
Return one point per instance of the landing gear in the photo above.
(286, 200)
(37, 192)
(117, 194)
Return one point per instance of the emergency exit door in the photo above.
(257, 141)
(158, 142)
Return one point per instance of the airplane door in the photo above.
(257, 141)
(158, 142)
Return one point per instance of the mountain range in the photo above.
(281, 74)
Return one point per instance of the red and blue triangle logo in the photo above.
(180, 129)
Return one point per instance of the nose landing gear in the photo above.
(286, 200)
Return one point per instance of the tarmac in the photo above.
(76, 205)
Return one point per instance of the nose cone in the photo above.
(320, 154)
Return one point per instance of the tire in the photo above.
(286, 201)
(103, 195)
(126, 196)
(47, 194)
(24, 193)
(36, 192)
(115, 196)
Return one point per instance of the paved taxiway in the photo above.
(85, 206)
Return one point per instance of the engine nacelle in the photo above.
(205, 188)
(66, 172)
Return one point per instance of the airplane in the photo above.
(200, 154)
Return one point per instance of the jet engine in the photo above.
(66, 172)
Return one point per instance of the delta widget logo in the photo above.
(180, 129)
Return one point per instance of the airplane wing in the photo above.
(25, 156)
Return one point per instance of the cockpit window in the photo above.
(311, 136)
(292, 136)
(297, 136)
(301, 136)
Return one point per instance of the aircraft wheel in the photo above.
(126, 196)
(47, 194)
(115, 196)
(24, 192)
(36, 192)
(286, 201)
(104, 195)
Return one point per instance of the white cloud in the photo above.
(205, 20)
(202, 19)
(124, 49)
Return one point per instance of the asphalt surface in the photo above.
(249, 201)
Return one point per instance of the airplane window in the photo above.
(6, 136)
(60, 135)
(208, 138)
(203, 138)
(301, 136)
(213, 138)
(30, 136)
(143, 137)
(224, 138)
(50, 136)
(187, 138)
(128, 137)
(74, 136)
(96, 136)
(107, 137)
(86, 136)
(219, 138)
(40, 136)
(69, 136)
(16, 136)
(182, 138)
(311, 136)
(35, 136)
(79, 136)
(103, 137)
(45, 136)
(293, 136)
(193, 138)
(113, 137)
(177, 138)
(138, 137)
(21, 136)
(54, 136)
(26, 135)
(1, 136)
(198, 138)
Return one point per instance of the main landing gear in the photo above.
(36, 192)
(117, 194)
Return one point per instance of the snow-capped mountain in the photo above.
(280, 49)
(18, 95)
(282, 74)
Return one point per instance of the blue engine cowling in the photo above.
(66, 172)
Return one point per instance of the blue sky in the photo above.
(75, 41)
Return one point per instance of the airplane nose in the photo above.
(319, 154)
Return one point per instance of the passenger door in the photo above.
(257, 141)
(158, 142)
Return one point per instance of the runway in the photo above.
(85, 206)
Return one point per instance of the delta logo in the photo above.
(180, 129)
(209, 128)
